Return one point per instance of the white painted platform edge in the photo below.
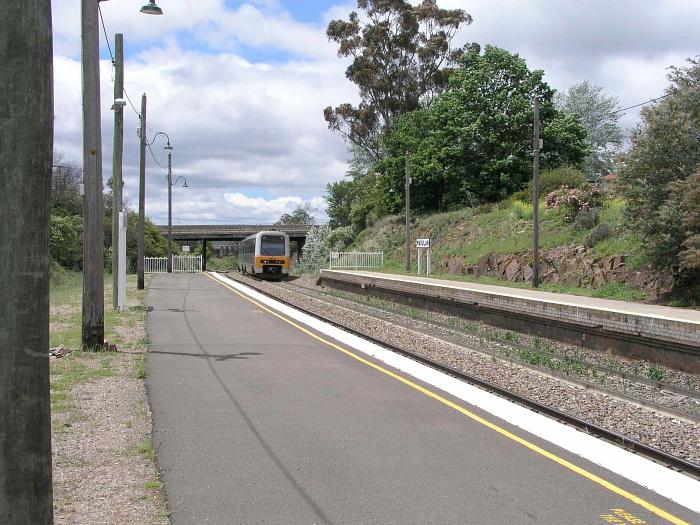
(666, 482)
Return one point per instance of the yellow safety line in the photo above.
(564, 463)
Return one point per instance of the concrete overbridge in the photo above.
(232, 232)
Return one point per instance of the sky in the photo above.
(240, 87)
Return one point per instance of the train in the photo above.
(265, 255)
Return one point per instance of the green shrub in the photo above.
(600, 233)
(554, 179)
(586, 219)
(573, 201)
(340, 238)
(524, 210)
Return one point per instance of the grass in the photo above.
(227, 262)
(504, 228)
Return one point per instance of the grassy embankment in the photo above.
(504, 228)
(228, 262)
(101, 421)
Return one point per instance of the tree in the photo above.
(401, 57)
(155, 244)
(339, 196)
(65, 241)
(462, 146)
(599, 114)
(656, 173)
(303, 214)
(315, 248)
(65, 181)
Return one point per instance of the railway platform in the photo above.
(665, 335)
(264, 416)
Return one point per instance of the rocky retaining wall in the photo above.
(570, 265)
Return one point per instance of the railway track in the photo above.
(659, 456)
(596, 369)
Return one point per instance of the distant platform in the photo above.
(661, 334)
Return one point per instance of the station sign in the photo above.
(185, 248)
(422, 243)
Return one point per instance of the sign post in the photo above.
(421, 245)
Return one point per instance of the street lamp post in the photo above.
(169, 148)
(150, 9)
(170, 211)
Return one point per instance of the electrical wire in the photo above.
(642, 103)
(132, 104)
(154, 157)
(104, 30)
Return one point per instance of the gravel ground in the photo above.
(104, 469)
(675, 435)
(102, 452)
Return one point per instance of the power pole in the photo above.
(536, 195)
(26, 143)
(170, 207)
(408, 212)
(93, 206)
(117, 161)
(142, 195)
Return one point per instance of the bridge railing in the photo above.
(355, 260)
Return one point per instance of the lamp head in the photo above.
(511, 158)
(151, 8)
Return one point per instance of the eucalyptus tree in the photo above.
(401, 57)
(599, 115)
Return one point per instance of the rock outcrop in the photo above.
(570, 265)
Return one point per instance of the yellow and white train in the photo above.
(265, 254)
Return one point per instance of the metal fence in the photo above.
(181, 264)
(155, 265)
(356, 260)
(187, 263)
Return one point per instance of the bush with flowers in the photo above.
(574, 200)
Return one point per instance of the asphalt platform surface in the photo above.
(258, 422)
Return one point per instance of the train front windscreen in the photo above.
(272, 245)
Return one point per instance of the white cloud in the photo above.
(255, 126)
(260, 208)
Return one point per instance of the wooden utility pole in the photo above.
(408, 212)
(117, 161)
(93, 206)
(142, 196)
(26, 143)
(536, 195)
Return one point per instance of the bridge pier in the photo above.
(204, 255)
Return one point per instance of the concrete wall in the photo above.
(673, 342)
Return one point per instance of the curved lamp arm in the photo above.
(183, 178)
(168, 146)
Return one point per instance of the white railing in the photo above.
(155, 265)
(181, 264)
(356, 260)
(187, 263)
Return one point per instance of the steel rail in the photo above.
(658, 456)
